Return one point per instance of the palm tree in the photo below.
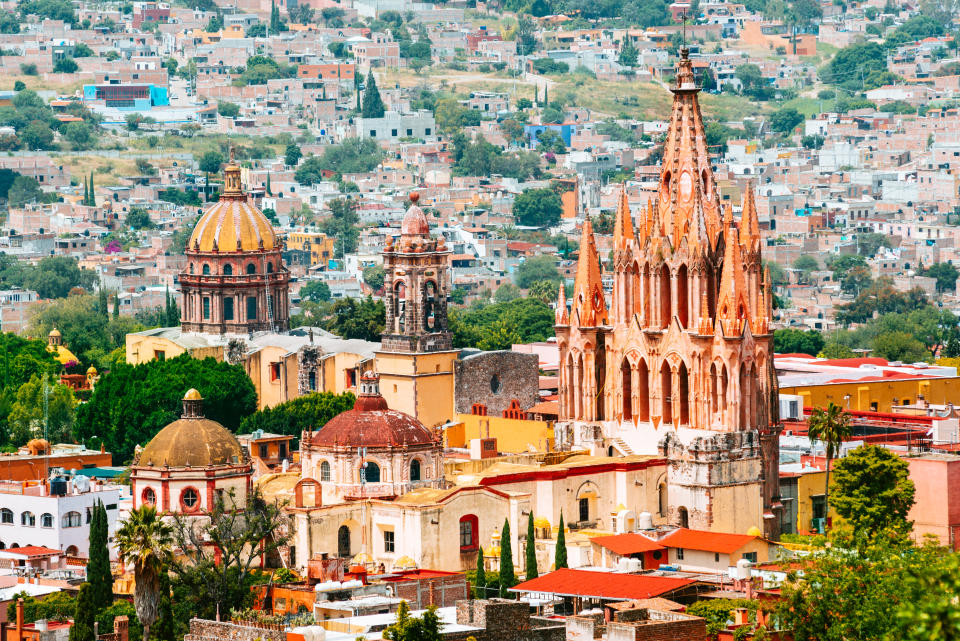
(145, 541)
(830, 426)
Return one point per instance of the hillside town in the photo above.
(326, 320)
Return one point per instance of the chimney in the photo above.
(741, 616)
(121, 627)
(19, 618)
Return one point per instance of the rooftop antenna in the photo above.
(683, 20)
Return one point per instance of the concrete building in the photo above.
(396, 126)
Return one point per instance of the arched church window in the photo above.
(228, 270)
(370, 472)
(400, 306)
(251, 268)
(429, 304)
(228, 308)
(415, 470)
(325, 471)
(269, 268)
(206, 269)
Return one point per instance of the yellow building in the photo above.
(865, 384)
(58, 349)
(513, 436)
(419, 384)
(802, 493)
(316, 247)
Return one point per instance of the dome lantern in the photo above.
(192, 404)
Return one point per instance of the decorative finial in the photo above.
(414, 197)
(231, 155)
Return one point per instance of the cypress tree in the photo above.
(84, 616)
(116, 305)
(103, 307)
(98, 567)
(560, 559)
(546, 95)
(372, 102)
(536, 95)
(93, 196)
(269, 193)
(480, 585)
(531, 569)
(508, 577)
(164, 624)
(86, 191)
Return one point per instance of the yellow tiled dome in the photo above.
(232, 224)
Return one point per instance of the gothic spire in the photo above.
(749, 221)
(589, 305)
(687, 187)
(732, 307)
(561, 316)
(623, 226)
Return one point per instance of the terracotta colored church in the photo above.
(680, 363)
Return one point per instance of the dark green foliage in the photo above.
(372, 102)
(53, 9)
(717, 612)
(880, 297)
(52, 277)
(853, 63)
(228, 109)
(560, 556)
(797, 341)
(508, 578)
(536, 269)
(292, 154)
(58, 606)
(342, 226)
(165, 627)
(480, 576)
(65, 65)
(548, 66)
(945, 273)
(871, 490)
(537, 208)
(786, 119)
(531, 548)
(306, 413)
(315, 290)
(84, 616)
(409, 628)
(364, 319)
(139, 218)
(124, 608)
(133, 402)
(353, 155)
(481, 158)
(181, 197)
(99, 576)
(500, 325)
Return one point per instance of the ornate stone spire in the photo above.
(561, 316)
(589, 305)
(750, 223)
(732, 308)
(687, 187)
(623, 226)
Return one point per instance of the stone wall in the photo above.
(203, 630)
(660, 626)
(442, 591)
(504, 620)
(494, 379)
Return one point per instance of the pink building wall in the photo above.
(937, 507)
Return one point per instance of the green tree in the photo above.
(37, 136)
(749, 76)
(26, 418)
(409, 628)
(303, 414)
(498, 326)
(219, 555)
(58, 606)
(544, 291)
(342, 226)
(805, 265)
(353, 155)
(78, 134)
(536, 269)
(317, 291)
(228, 109)
(99, 576)
(210, 163)
(480, 580)
(65, 65)
(786, 119)
(900, 346)
(856, 279)
(23, 190)
(830, 426)
(796, 341)
(946, 275)
(292, 154)
(628, 54)
(508, 578)
(275, 23)
(144, 541)
(717, 612)
(84, 616)
(352, 319)
(372, 102)
(560, 554)
(123, 608)
(507, 292)
(872, 491)
(868, 244)
(131, 403)
(139, 218)
(373, 275)
(537, 208)
(531, 547)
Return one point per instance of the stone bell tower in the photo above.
(416, 357)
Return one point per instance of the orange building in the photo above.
(332, 71)
(680, 363)
(774, 34)
(34, 461)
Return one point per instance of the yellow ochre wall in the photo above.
(418, 384)
(808, 486)
(513, 436)
(934, 390)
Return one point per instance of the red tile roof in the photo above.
(602, 585)
(706, 541)
(625, 544)
(33, 550)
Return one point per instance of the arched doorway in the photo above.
(683, 519)
(343, 542)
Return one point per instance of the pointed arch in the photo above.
(714, 395)
(724, 383)
(683, 296)
(744, 396)
(599, 380)
(663, 281)
(636, 287)
(626, 378)
(666, 392)
(643, 391)
(683, 393)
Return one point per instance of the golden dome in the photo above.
(754, 531)
(54, 333)
(192, 395)
(232, 225)
(192, 442)
(91, 371)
